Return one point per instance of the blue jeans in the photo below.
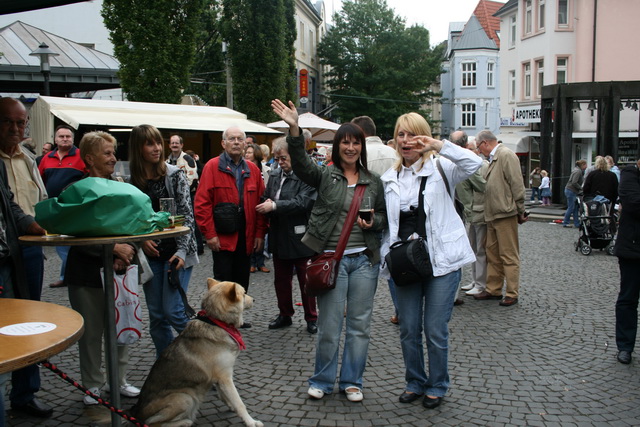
(535, 191)
(25, 382)
(427, 305)
(394, 298)
(166, 309)
(63, 253)
(257, 259)
(572, 208)
(355, 286)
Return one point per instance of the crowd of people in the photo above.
(464, 199)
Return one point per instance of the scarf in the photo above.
(230, 329)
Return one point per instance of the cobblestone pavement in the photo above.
(549, 360)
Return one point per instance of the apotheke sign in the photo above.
(529, 114)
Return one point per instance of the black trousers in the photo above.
(233, 266)
(627, 304)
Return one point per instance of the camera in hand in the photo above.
(365, 214)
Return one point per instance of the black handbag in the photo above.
(227, 218)
(408, 261)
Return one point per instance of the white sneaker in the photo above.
(467, 287)
(129, 391)
(354, 396)
(474, 291)
(126, 390)
(88, 400)
(315, 393)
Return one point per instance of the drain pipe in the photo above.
(595, 25)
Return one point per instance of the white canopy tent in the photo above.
(518, 143)
(321, 129)
(125, 114)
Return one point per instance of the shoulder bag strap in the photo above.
(444, 176)
(421, 228)
(351, 217)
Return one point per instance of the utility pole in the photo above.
(227, 65)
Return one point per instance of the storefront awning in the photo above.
(519, 143)
(124, 114)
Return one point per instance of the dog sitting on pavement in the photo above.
(202, 355)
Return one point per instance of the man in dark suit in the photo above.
(628, 253)
(24, 182)
(13, 223)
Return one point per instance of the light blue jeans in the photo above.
(427, 306)
(166, 309)
(572, 208)
(355, 286)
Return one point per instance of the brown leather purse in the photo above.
(322, 269)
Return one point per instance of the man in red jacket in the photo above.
(225, 209)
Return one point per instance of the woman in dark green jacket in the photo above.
(358, 273)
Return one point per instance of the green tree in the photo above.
(260, 36)
(208, 73)
(154, 40)
(376, 65)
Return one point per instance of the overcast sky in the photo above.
(434, 15)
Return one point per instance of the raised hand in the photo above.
(287, 113)
(423, 143)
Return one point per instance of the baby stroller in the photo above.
(597, 225)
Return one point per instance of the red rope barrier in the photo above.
(53, 368)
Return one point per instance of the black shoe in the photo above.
(312, 327)
(431, 402)
(35, 408)
(245, 325)
(624, 357)
(408, 397)
(280, 322)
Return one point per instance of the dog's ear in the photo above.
(234, 293)
(211, 283)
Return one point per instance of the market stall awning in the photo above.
(124, 114)
(321, 129)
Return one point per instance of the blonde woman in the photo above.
(427, 305)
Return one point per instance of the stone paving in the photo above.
(547, 361)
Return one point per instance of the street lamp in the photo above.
(44, 53)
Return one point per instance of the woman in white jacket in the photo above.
(427, 305)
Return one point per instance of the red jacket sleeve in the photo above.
(204, 201)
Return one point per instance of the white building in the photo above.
(547, 42)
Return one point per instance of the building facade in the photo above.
(470, 83)
(551, 42)
(311, 28)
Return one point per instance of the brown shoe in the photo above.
(394, 320)
(264, 269)
(458, 301)
(508, 301)
(484, 295)
(252, 270)
(58, 284)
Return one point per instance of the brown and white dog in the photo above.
(201, 356)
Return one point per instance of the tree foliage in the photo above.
(154, 40)
(376, 65)
(260, 36)
(208, 73)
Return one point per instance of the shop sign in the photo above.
(508, 121)
(530, 114)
